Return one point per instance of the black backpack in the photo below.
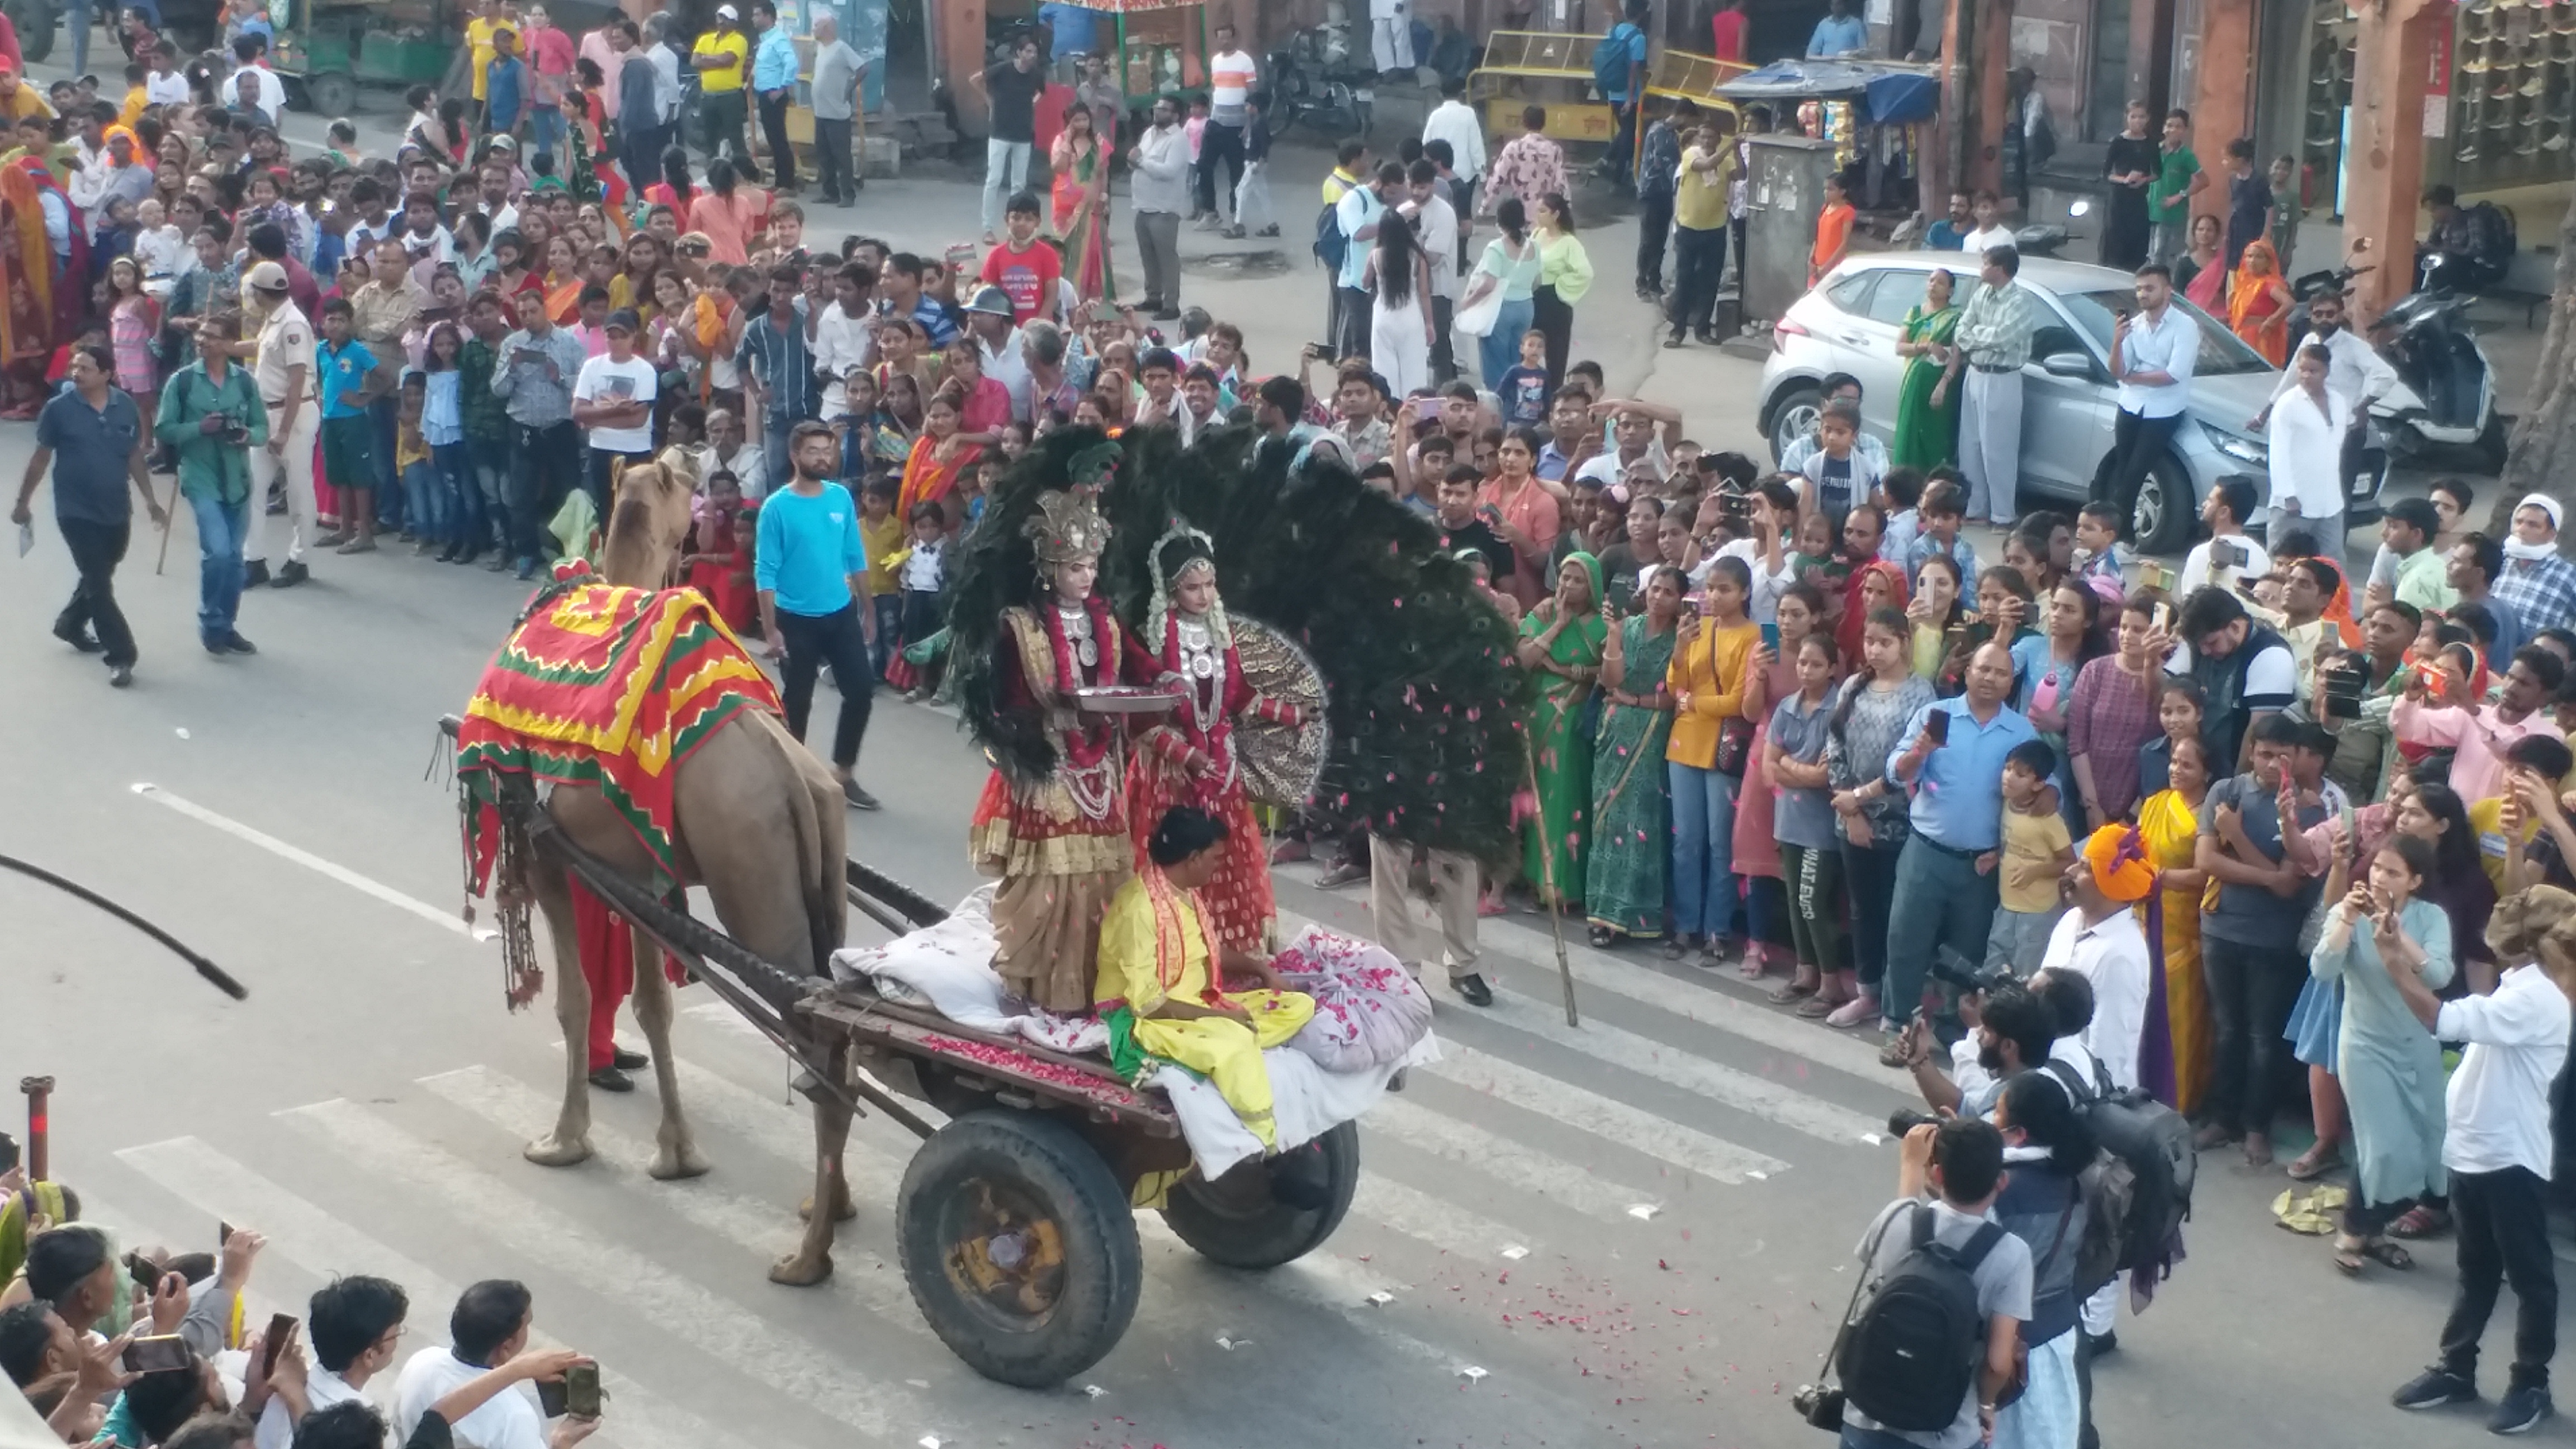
(2137, 1193)
(1910, 1355)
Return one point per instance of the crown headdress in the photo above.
(1065, 528)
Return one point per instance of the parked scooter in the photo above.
(2445, 395)
(1314, 79)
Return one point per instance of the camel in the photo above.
(759, 824)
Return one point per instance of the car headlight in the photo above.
(2243, 449)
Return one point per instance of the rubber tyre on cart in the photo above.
(330, 93)
(34, 21)
(1019, 1246)
(1238, 1221)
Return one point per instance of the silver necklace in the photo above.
(1077, 630)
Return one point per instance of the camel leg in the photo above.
(811, 1263)
(570, 1141)
(678, 1155)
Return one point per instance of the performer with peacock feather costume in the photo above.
(1421, 697)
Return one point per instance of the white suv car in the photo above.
(1849, 323)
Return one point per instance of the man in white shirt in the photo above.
(2152, 357)
(250, 54)
(2227, 555)
(167, 85)
(2305, 434)
(354, 1325)
(487, 1329)
(612, 400)
(2497, 1145)
(845, 338)
(1457, 123)
(1436, 221)
(1991, 231)
(2354, 371)
(666, 70)
(1391, 35)
(1640, 433)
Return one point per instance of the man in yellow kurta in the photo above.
(1155, 991)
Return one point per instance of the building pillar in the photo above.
(957, 39)
(1991, 100)
(2384, 167)
(2222, 93)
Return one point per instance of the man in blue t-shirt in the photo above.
(505, 86)
(1618, 164)
(811, 568)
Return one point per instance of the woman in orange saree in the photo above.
(2258, 303)
(937, 460)
(42, 309)
(1080, 195)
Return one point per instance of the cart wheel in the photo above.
(331, 93)
(1019, 1246)
(34, 20)
(1239, 1221)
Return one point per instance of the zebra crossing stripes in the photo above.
(1505, 1160)
(745, 1342)
(1607, 1118)
(324, 1245)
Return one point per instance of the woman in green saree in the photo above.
(1562, 642)
(1632, 814)
(1927, 408)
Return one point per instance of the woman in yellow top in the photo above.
(1706, 678)
(1564, 275)
(1156, 993)
(2169, 828)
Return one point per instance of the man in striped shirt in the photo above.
(1993, 344)
(1231, 76)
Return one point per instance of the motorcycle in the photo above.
(2445, 395)
(1314, 79)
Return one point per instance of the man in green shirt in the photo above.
(487, 428)
(212, 414)
(2178, 179)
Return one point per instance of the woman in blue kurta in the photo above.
(2390, 1066)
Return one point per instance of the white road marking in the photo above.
(768, 1230)
(325, 1245)
(364, 885)
(1595, 1115)
(725, 1332)
(1754, 1095)
(1534, 947)
(1417, 1214)
(1501, 1158)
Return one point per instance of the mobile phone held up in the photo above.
(576, 1394)
(281, 1328)
(1771, 638)
(156, 1354)
(1936, 727)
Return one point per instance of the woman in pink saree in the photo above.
(1080, 165)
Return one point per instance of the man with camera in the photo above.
(488, 1329)
(1947, 1178)
(212, 414)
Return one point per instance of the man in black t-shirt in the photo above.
(1463, 525)
(1011, 90)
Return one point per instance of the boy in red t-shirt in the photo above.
(1023, 266)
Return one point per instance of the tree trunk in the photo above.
(2543, 445)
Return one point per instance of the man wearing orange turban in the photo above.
(2101, 940)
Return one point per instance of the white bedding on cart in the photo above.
(948, 968)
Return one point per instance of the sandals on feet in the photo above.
(2348, 1260)
(1819, 1006)
(2314, 1163)
(2388, 1252)
(1861, 1010)
(2420, 1222)
(1793, 991)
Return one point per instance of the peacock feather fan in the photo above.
(1426, 703)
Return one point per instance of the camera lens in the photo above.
(1906, 1119)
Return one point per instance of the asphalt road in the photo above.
(1638, 1230)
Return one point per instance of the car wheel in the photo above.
(2161, 518)
(34, 21)
(331, 93)
(1794, 417)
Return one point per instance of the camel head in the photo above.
(648, 527)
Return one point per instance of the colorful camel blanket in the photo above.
(608, 687)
